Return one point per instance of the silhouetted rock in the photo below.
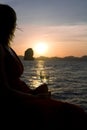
(28, 55)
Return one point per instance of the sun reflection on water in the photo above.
(42, 75)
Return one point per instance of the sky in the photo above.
(60, 25)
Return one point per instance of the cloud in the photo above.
(53, 34)
(67, 32)
(65, 39)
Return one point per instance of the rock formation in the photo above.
(28, 55)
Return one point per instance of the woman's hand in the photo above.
(42, 90)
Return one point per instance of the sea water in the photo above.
(66, 79)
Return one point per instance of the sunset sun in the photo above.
(41, 48)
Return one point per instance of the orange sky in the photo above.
(61, 24)
(61, 40)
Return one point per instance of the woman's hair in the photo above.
(7, 23)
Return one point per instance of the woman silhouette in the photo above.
(11, 67)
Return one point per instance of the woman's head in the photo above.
(7, 23)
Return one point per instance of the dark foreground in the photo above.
(41, 113)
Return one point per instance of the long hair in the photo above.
(7, 23)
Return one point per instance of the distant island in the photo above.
(29, 55)
(83, 58)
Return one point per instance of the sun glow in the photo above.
(41, 48)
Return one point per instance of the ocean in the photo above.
(66, 79)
